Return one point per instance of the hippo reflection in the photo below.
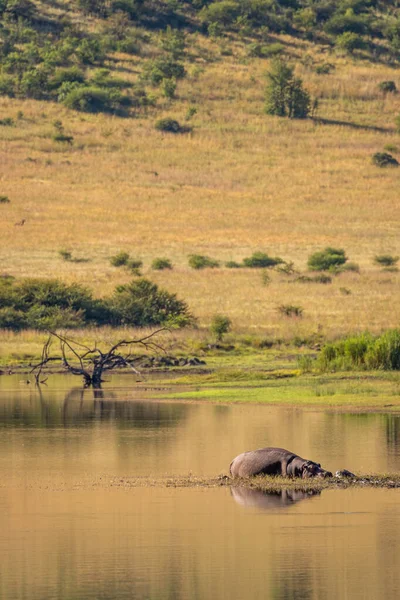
(251, 498)
(275, 461)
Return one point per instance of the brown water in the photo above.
(66, 535)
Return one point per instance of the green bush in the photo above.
(63, 75)
(169, 88)
(387, 87)
(168, 125)
(20, 9)
(173, 41)
(90, 52)
(134, 265)
(347, 23)
(232, 264)
(165, 67)
(49, 303)
(35, 83)
(384, 159)
(160, 264)
(8, 85)
(327, 259)
(65, 254)
(142, 304)
(265, 51)
(386, 260)
(284, 94)
(10, 318)
(94, 100)
(363, 351)
(220, 325)
(4, 200)
(120, 259)
(260, 260)
(350, 41)
(199, 261)
(223, 13)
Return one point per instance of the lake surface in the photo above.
(67, 534)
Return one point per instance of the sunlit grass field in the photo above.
(240, 182)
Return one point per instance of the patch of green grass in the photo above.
(377, 393)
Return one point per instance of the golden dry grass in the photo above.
(242, 181)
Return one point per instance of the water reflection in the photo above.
(84, 408)
(251, 498)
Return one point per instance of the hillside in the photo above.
(90, 175)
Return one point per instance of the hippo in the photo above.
(275, 461)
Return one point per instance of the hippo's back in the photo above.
(267, 461)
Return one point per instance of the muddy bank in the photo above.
(265, 484)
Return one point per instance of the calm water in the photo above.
(66, 535)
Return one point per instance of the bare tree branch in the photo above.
(92, 361)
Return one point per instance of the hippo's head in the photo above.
(312, 469)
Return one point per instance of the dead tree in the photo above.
(92, 363)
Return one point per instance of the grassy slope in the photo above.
(242, 181)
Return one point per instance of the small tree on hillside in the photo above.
(220, 325)
(284, 95)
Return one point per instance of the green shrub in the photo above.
(223, 13)
(386, 260)
(284, 94)
(363, 351)
(349, 266)
(101, 78)
(35, 83)
(94, 100)
(347, 23)
(142, 304)
(120, 259)
(385, 353)
(20, 9)
(232, 264)
(8, 85)
(10, 318)
(387, 87)
(168, 125)
(160, 264)
(199, 261)
(63, 75)
(220, 325)
(173, 41)
(326, 259)
(134, 265)
(4, 200)
(260, 260)
(165, 67)
(384, 159)
(169, 88)
(265, 51)
(350, 41)
(49, 303)
(7, 122)
(65, 254)
(52, 317)
(90, 52)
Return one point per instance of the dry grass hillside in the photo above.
(239, 182)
